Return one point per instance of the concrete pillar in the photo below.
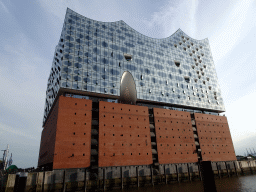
(240, 165)
(165, 174)
(254, 165)
(31, 181)
(177, 172)
(10, 182)
(64, 183)
(137, 173)
(208, 176)
(104, 179)
(40, 181)
(227, 169)
(218, 170)
(85, 183)
(152, 176)
(235, 168)
(250, 166)
(53, 180)
(199, 170)
(189, 178)
(122, 180)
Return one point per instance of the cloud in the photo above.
(6, 128)
(236, 73)
(243, 144)
(4, 7)
(22, 76)
(171, 17)
(228, 35)
(23, 146)
(57, 8)
(241, 115)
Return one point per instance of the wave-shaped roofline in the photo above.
(162, 39)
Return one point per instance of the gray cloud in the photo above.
(4, 7)
(172, 16)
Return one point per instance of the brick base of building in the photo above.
(93, 133)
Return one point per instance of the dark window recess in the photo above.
(128, 57)
(187, 79)
(177, 63)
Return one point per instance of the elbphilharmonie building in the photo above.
(116, 98)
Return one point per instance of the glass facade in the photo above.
(91, 56)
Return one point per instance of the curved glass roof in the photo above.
(92, 56)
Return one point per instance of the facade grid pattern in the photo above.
(90, 57)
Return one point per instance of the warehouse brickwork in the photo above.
(48, 138)
(73, 133)
(174, 136)
(214, 137)
(124, 135)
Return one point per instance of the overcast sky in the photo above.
(30, 30)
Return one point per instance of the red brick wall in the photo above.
(214, 137)
(73, 135)
(48, 138)
(124, 135)
(174, 136)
